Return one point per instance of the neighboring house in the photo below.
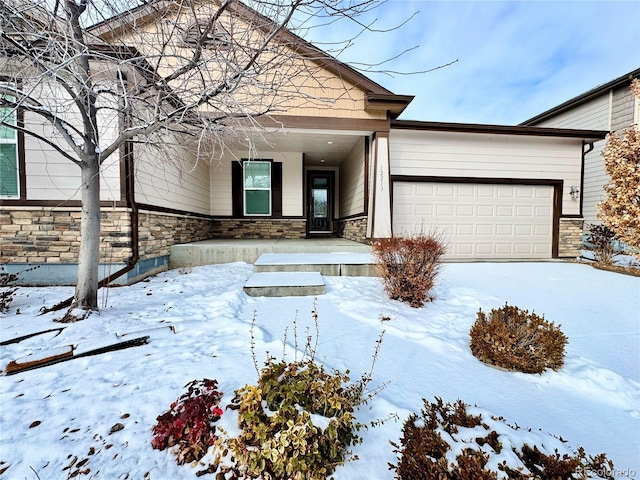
(345, 168)
(609, 107)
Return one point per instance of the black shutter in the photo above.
(276, 189)
(236, 189)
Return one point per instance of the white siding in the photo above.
(292, 183)
(51, 176)
(181, 183)
(477, 155)
(221, 192)
(352, 178)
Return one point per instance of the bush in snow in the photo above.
(601, 241)
(409, 266)
(297, 422)
(188, 425)
(446, 441)
(517, 340)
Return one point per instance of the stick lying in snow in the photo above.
(22, 366)
(24, 337)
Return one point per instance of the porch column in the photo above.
(379, 224)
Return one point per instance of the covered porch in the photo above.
(216, 251)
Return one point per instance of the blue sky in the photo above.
(515, 59)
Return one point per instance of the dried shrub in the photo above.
(409, 266)
(601, 241)
(188, 425)
(429, 440)
(515, 339)
(7, 291)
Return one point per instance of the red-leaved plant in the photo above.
(189, 423)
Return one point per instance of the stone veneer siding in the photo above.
(353, 229)
(259, 228)
(570, 237)
(52, 235)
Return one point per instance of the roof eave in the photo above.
(394, 104)
(585, 135)
(585, 97)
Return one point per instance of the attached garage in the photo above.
(495, 192)
(479, 220)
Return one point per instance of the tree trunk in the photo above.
(86, 296)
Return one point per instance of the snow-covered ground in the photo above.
(65, 414)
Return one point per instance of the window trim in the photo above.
(245, 189)
(17, 141)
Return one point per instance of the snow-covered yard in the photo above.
(65, 414)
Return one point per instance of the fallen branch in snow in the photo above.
(29, 335)
(19, 367)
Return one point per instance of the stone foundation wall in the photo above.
(259, 228)
(45, 235)
(570, 237)
(352, 229)
(157, 232)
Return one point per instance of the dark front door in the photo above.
(319, 202)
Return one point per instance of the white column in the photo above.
(380, 208)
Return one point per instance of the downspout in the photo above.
(584, 156)
(133, 218)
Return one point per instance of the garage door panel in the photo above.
(478, 220)
(465, 211)
(504, 249)
(464, 229)
(504, 230)
(543, 212)
(504, 211)
(445, 190)
(505, 192)
(485, 230)
(524, 211)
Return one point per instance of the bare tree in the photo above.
(164, 72)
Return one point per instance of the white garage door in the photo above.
(479, 221)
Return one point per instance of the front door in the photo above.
(319, 203)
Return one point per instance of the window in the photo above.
(257, 188)
(8, 153)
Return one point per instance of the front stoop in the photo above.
(285, 284)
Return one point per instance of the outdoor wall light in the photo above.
(574, 192)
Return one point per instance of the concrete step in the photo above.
(336, 264)
(285, 284)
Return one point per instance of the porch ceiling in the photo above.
(326, 148)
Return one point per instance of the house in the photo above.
(609, 107)
(341, 165)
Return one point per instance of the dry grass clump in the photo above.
(515, 339)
